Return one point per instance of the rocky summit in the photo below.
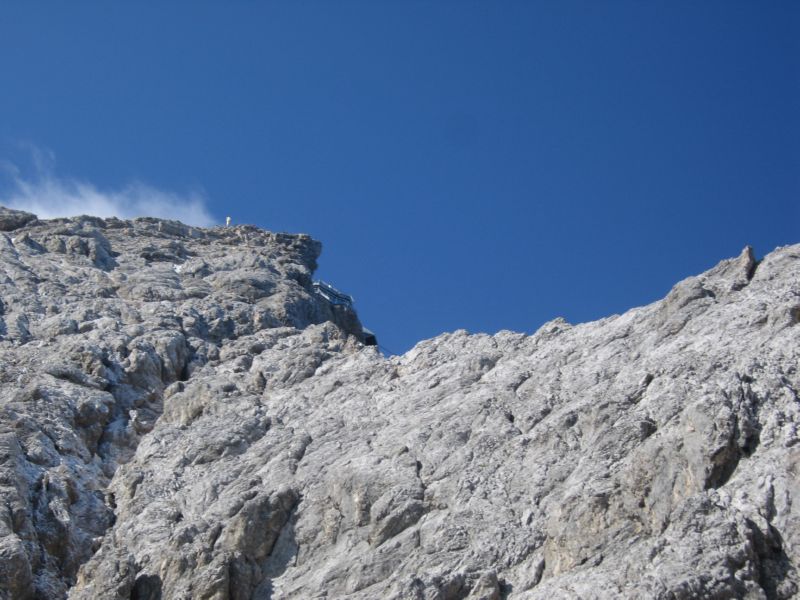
(182, 416)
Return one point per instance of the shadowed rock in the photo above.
(14, 219)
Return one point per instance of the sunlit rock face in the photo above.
(181, 417)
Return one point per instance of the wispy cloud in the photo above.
(49, 195)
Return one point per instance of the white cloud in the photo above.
(48, 195)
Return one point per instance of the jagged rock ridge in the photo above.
(98, 319)
(180, 417)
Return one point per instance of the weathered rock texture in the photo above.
(181, 418)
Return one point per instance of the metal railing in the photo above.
(331, 294)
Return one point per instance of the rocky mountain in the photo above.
(182, 417)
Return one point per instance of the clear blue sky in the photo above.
(479, 165)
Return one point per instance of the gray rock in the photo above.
(11, 219)
(180, 417)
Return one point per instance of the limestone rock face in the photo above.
(182, 418)
(100, 322)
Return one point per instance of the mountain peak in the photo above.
(184, 415)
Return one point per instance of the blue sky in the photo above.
(478, 165)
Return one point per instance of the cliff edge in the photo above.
(182, 417)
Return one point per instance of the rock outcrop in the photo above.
(182, 418)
